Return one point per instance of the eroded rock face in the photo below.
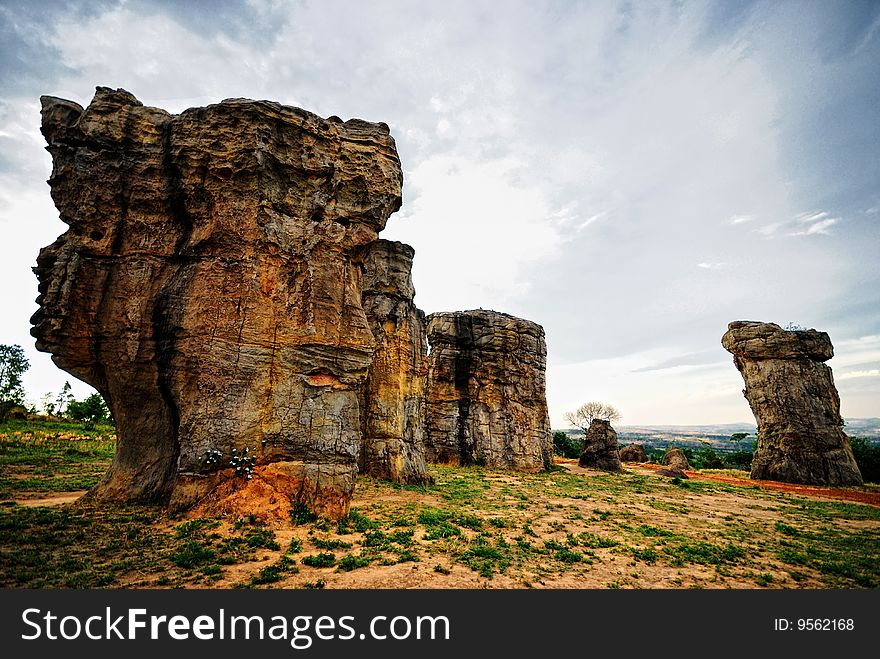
(633, 453)
(209, 287)
(600, 447)
(794, 400)
(486, 391)
(394, 410)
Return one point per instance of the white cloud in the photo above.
(868, 373)
(569, 162)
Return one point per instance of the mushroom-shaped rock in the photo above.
(209, 287)
(792, 395)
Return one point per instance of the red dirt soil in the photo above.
(847, 494)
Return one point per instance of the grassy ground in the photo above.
(475, 527)
(42, 456)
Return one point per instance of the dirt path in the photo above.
(33, 499)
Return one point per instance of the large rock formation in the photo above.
(209, 286)
(600, 447)
(675, 458)
(394, 411)
(792, 395)
(486, 391)
(633, 453)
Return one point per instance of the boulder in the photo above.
(486, 391)
(792, 395)
(676, 459)
(633, 453)
(600, 447)
(209, 286)
(394, 391)
(672, 472)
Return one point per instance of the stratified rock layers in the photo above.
(486, 391)
(209, 287)
(794, 400)
(394, 410)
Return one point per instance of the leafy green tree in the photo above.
(13, 364)
(867, 456)
(92, 410)
(57, 405)
(565, 446)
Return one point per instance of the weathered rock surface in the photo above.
(394, 392)
(633, 453)
(794, 400)
(486, 391)
(676, 459)
(600, 447)
(209, 286)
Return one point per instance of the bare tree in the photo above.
(583, 416)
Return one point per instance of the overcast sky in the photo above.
(630, 175)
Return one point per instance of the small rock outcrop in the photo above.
(792, 395)
(394, 392)
(209, 286)
(633, 453)
(486, 391)
(672, 472)
(676, 459)
(600, 447)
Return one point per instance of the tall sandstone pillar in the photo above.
(209, 286)
(486, 391)
(394, 410)
(792, 395)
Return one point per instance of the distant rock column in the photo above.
(394, 392)
(792, 395)
(209, 287)
(600, 447)
(486, 391)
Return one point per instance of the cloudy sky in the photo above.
(630, 175)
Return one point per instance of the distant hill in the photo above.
(716, 435)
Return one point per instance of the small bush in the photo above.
(351, 562)
(324, 559)
(354, 521)
(300, 514)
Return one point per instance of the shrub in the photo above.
(324, 559)
(565, 446)
(90, 411)
(706, 458)
(867, 457)
(738, 460)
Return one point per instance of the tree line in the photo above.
(13, 398)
